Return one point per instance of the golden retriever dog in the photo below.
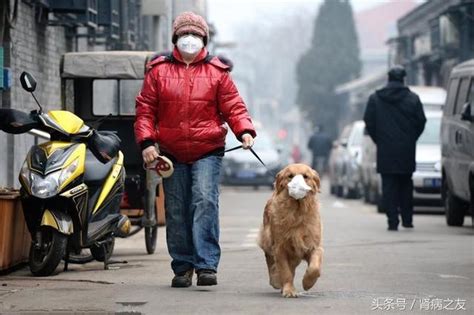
(291, 231)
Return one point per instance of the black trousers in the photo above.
(397, 194)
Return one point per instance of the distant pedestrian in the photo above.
(320, 145)
(296, 155)
(186, 99)
(395, 119)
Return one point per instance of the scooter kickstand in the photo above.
(106, 259)
(66, 261)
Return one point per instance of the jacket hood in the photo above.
(393, 92)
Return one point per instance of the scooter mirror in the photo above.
(27, 82)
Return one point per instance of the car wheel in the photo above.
(366, 194)
(455, 208)
(339, 191)
(350, 193)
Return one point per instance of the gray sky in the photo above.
(227, 15)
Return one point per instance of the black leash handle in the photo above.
(233, 149)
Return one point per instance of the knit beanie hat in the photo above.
(189, 22)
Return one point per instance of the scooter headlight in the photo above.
(44, 187)
(25, 174)
(67, 172)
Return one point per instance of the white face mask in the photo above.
(298, 188)
(190, 44)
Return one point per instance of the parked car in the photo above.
(457, 145)
(427, 176)
(336, 161)
(371, 182)
(351, 171)
(432, 97)
(241, 167)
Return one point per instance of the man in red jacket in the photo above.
(186, 99)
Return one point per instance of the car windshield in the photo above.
(431, 133)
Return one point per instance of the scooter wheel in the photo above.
(44, 261)
(150, 238)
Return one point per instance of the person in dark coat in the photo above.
(394, 119)
(320, 145)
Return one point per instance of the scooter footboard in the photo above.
(58, 220)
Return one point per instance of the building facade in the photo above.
(432, 39)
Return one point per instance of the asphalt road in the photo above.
(366, 270)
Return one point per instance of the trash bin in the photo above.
(14, 236)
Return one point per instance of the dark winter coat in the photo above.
(320, 144)
(184, 108)
(394, 118)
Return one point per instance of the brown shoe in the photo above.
(206, 277)
(183, 279)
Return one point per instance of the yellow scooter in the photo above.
(71, 186)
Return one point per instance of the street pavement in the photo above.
(366, 270)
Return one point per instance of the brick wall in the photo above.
(37, 48)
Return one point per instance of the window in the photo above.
(105, 97)
(462, 95)
(431, 132)
(116, 97)
(449, 32)
(129, 90)
(470, 97)
(451, 99)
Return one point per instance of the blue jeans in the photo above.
(192, 214)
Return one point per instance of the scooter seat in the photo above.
(95, 170)
(98, 227)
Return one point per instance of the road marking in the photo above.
(250, 239)
(249, 245)
(338, 204)
(452, 277)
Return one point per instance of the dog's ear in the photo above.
(279, 181)
(317, 180)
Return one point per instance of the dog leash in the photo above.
(255, 154)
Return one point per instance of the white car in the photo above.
(427, 177)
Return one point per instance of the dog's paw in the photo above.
(289, 292)
(310, 278)
(275, 282)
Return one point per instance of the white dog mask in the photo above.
(298, 188)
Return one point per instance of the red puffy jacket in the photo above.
(183, 108)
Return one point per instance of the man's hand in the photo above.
(149, 154)
(247, 141)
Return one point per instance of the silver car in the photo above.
(241, 167)
(337, 160)
(351, 175)
(427, 177)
